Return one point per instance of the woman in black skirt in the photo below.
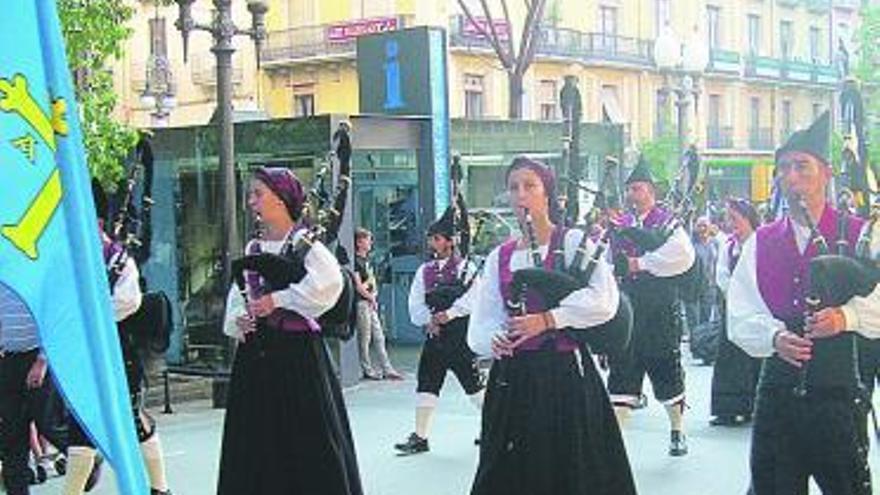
(286, 428)
(548, 426)
(735, 375)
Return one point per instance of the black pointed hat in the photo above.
(642, 172)
(444, 225)
(812, 140)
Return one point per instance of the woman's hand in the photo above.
(826, 323)
(792, 348)
(261, 307)
(245, 324)
(522, 328)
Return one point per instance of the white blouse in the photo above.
(583, 308)
(419, 313)
(126, 294)
(312, 296)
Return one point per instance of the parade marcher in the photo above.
(547, 426)
(648, 277)
(371, 334)
(735, 375)
(702, 312)
(445, 347)
(126, 296)
(286, 428)
(25, 388)
(809, 413)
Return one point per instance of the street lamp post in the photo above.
(159, 89)
(681, 65)
(223, 29)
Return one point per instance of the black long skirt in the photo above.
(734, 380)
(286, 429)
(548, 427)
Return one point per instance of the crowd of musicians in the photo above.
(571, 319)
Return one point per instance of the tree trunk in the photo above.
(515, 91)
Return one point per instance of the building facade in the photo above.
(773, 65)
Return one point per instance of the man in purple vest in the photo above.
(439, 301)
(810, 413)
(648, 272)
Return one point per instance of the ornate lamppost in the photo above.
(159, 91)
(223, 29)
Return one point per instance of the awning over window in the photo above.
(611, 110)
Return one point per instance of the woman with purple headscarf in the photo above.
(735, 375)
(286, 428)
(547, 426)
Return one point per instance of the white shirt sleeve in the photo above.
(863, 313)
(127, 294)
(673, 258)
(234, 309)
(489, 315)
(419, 313)
(750, 324)
(594, 304)
(462, 305)
(319, 290)
(722, 273)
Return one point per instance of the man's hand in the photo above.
(37, 374)
(826, 323)
(633, 264)
(262, 306)
(501, 345)
(245, 324)
(793, 349)
(433, 329)
(440, 318)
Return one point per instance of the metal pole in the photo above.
(223, 50)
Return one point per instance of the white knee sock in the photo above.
(155, 461)
(477, 399)
(80, 461)
(622, 414)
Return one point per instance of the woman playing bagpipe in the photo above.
(735, 374)
(440, 302)
(286, 428)
(548, 426)
(128, 300)
(802, 308)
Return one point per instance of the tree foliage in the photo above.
(94, 31)
(867, 70)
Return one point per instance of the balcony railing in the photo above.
(725, 61)
(761, 138)
(567, 43)
(788, 3)
(818, 6)
(718, 137)
(324, 41)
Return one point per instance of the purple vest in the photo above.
(783, 281)
(281, 319)
(655, 218)
(783, 272)
(432, 276)
(560, 342)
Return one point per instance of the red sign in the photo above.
(340, 33)
(472, 29)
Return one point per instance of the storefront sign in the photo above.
(340, 33)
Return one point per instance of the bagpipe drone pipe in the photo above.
(150, 326)
(281, 270)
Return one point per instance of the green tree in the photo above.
(867, 70)
(95, 31)
(661, 153)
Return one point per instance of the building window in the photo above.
(815, 38)
(661, 120)
(754, 28)
(608, 27)
(715, 111)
(713, 26)
(304, 105)
(547, 99)
(158, 42)
(786, 119)
(473, 96)
(785, 40)
(661, 15)
(719, 137)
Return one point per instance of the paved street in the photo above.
(382, 413)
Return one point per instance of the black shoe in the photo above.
(153, 491)
(95, 475)
(372, 376)
(723, 421)
(413, 445)
(677, 444)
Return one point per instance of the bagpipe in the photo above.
(150, 326)
(556, 284)
(281, 270)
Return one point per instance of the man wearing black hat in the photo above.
(439, 301)
(647, 273)
(810, 416)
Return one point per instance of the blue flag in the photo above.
(50, 251)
